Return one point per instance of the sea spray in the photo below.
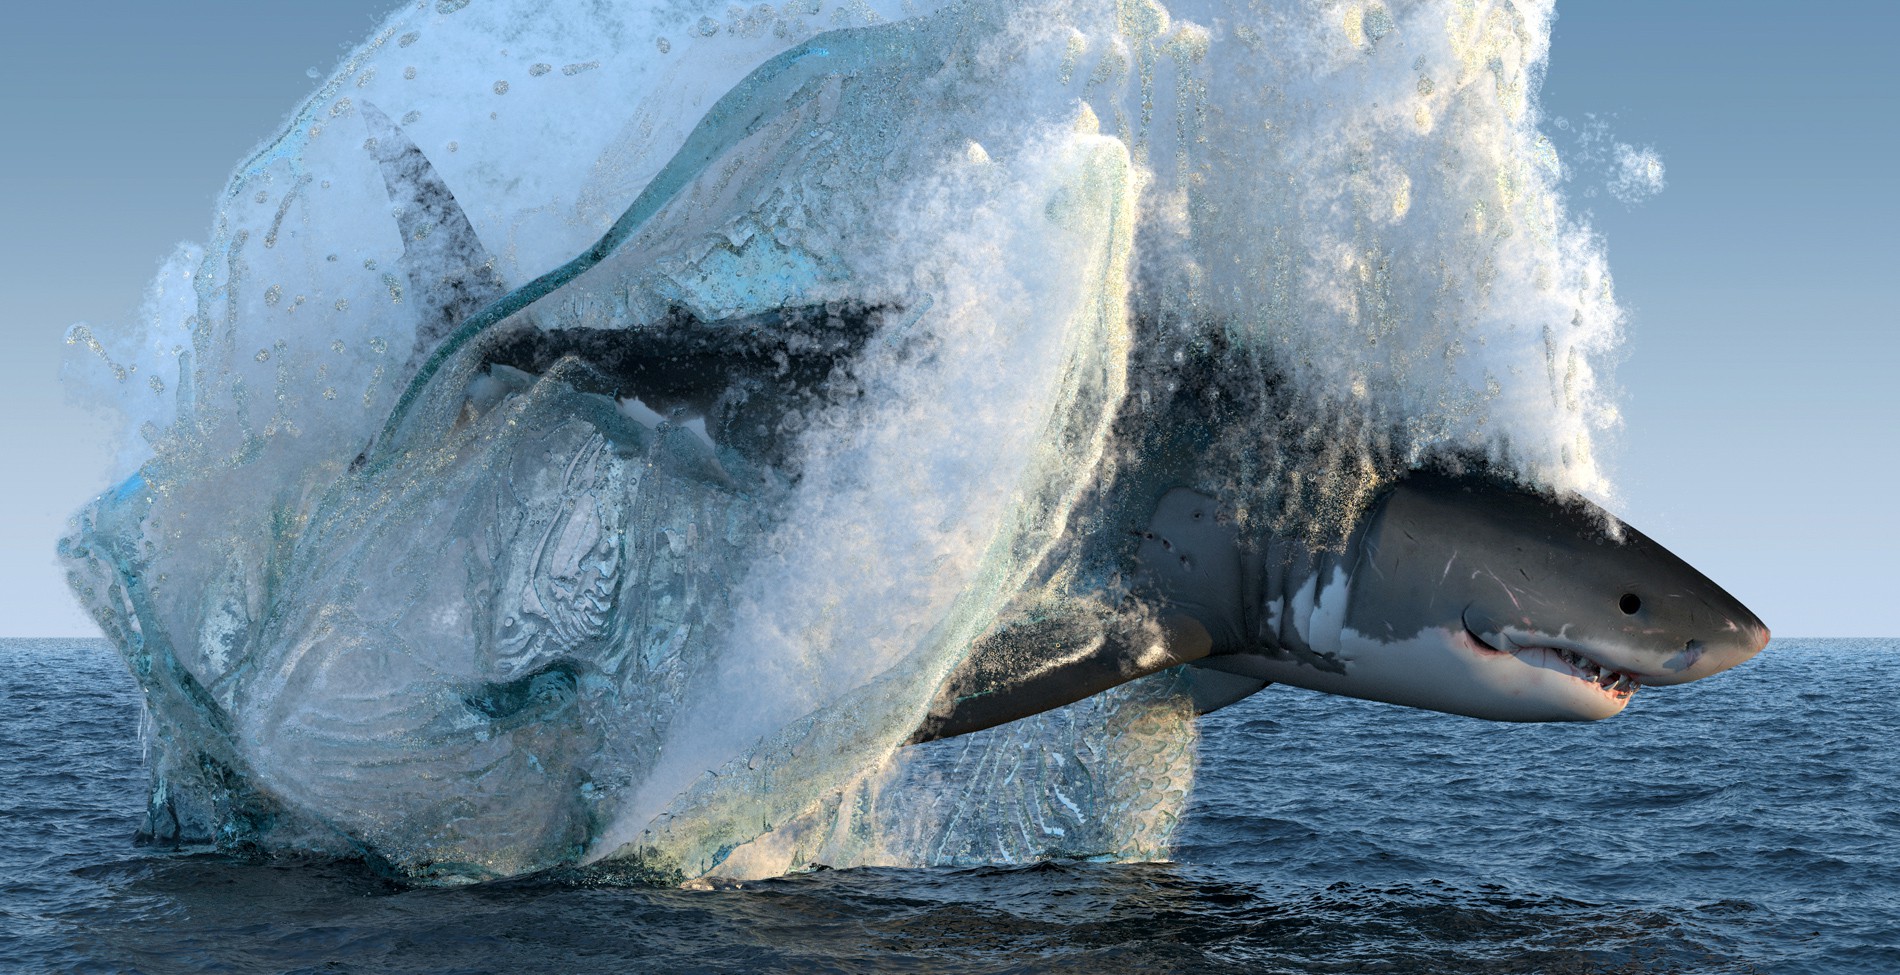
(472, 620)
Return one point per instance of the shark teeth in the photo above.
(1614, 681)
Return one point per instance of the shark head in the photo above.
(1470, 595)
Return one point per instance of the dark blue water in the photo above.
(1750, 823)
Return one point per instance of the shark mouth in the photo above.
(1620, 684)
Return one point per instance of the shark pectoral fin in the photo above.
(1039, 665)
(1215, 689)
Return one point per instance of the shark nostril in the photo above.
(1629, 604)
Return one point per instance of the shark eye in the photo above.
(1629, 604)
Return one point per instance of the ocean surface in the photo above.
(1749, 823)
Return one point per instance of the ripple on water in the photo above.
(1325, 836)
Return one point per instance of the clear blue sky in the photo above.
(1760, 400)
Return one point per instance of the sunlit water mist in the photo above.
(392, 594)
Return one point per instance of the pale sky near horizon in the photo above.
(1759, 402)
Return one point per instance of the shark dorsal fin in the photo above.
(451, 274)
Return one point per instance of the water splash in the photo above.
(612, 462)
(1606, 165)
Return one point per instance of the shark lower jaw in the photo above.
(1451, 670)
(1617, 685)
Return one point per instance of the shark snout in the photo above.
(1731, 644)
(1671, 644)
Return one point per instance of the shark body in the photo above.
(506, 588)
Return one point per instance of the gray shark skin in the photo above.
(1455, 592)
(1545, 576)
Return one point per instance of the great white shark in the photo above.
(468, 601)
